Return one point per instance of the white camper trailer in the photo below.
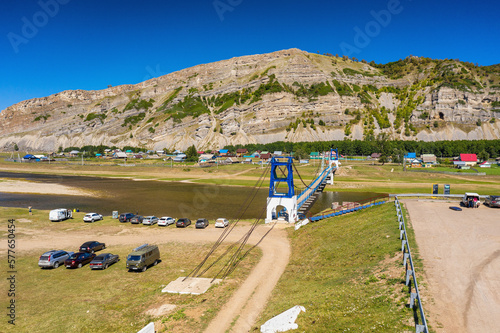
(60, 214)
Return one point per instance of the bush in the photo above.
(132, 120)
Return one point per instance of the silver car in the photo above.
(92, 217)
(221, 223)
(150, 220)
(53, 258)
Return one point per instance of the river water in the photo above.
(158, 198)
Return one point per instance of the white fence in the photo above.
(415, 299)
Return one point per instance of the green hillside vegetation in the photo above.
(189, 106)
(138, 104)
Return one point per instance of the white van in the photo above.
(60, 214)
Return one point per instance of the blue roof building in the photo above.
(411, 155)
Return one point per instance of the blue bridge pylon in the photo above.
(283, 201)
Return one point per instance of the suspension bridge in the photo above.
(284, 200)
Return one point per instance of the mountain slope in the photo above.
(289, 95)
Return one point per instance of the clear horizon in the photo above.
(49, 46)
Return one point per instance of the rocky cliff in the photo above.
(288, 95)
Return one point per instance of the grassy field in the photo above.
(389, 178)
(112, 300)
(346, 271)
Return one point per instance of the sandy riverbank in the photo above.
(20, 186)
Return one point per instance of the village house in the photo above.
(428, 160)
(465, 160)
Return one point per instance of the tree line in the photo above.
(381, 145)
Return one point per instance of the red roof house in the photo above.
(466, 159)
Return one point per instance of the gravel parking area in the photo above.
(461, 257)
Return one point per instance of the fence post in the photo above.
(412, 300)
(408, 274)
(405, 258)
(420, 329)
(403, 243)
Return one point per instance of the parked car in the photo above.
(492, 201)
(150, 220)
(125, 217)
(92, 217)
(142, 257)
(103, 260)
(92, 246)
(182, 223)
(221, 223)
(137, 219)
(470, 200)
(201, 223)
(77, 260)
(166, 220)
(53, 258)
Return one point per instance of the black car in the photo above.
(103, 260)
(92, 246)
(492, 201)
(201, 223)
(182, 223)
(125, 217)
(137, 219)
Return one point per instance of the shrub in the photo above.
(132, 120)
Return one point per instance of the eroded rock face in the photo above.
(111, 117)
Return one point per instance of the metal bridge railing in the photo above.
(351, 207)
(304, 195)
(415, 299)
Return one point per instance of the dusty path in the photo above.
(461, 257)
(248, 301)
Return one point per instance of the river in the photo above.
(176, 199)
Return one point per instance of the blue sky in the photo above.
(47, 46)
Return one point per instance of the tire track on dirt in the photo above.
(475, 278)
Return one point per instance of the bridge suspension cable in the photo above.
(242, 210)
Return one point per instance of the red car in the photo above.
(77, 260)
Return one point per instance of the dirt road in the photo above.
(248, 301)
(461, 257)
